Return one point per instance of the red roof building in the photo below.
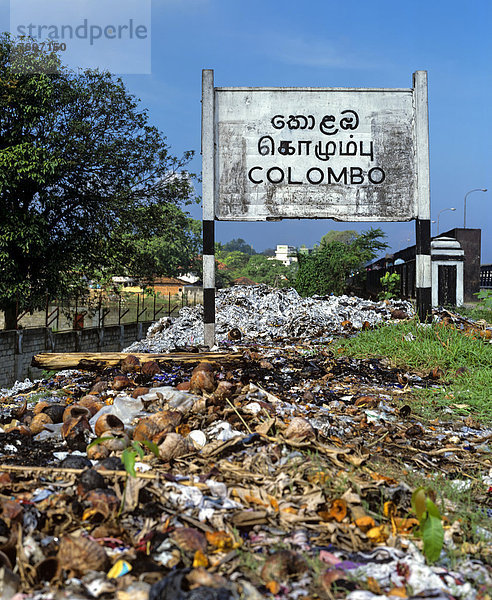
(244, 281)
(167, 285)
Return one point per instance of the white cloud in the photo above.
(311, 51)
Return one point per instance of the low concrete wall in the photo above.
(18, 347)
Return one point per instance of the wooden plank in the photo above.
(90, 361)
(57, 471)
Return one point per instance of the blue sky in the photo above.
(329, 43)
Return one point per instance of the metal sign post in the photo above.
(423, 267)
(208, 200)
(349, 154)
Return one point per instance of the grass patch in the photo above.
(478, 312)
(460, 498)
(422, 348)
(465, 395)
(250, 561)
(48, 374)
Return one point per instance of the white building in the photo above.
(285, 254)
(190, 278)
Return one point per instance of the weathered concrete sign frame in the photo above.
(349, 154)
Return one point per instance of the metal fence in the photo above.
(406, 271)
(486, 276)
(105, 309)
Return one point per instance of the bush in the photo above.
(326, 270)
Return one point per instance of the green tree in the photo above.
(390, 283)
(235, 260)
(81, 170)
(150, 248)
(345, 236)
(271, 272)
(256, 267)
(239, 245)
(326, 270)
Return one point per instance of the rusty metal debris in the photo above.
(282, 474)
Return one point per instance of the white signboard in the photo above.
(345, 154)
(324, 153)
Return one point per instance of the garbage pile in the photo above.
(260, 314)
(278, 474)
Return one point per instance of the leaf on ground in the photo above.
(200, 560)
(337, 511)
(378, 535)
(151, 446)
(418, 502)
(405, 526)
(433, 536)
(432, 508)
(128, 459)
(365, 523)
(220, 540)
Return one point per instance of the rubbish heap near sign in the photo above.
(261, 314)
(280, 470)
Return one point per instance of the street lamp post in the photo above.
(464, 206)
(439, 214)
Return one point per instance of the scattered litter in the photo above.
(279, 475)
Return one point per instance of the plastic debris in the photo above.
(263, 313)
(291, 479)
